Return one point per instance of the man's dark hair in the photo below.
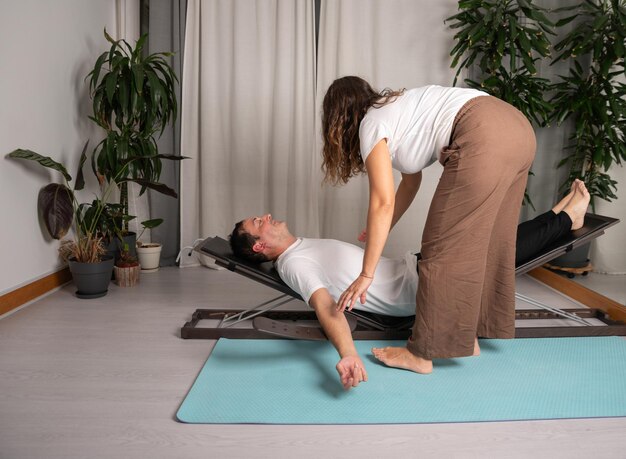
(241, 242)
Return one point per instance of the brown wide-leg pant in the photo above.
(467, 272)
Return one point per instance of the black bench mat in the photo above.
(265, 273)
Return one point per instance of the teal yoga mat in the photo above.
(294, 382)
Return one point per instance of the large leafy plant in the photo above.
(503, 40)
(134, 100)
(94, 222)
(593, 94)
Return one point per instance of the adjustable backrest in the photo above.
(265, 273)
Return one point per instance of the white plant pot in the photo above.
(149, 256)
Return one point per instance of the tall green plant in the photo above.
(134, 100)
(593, 95)
(503, 39)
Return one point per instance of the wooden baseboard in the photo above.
(23, 295)
(588, 297)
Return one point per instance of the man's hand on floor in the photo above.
(351, 371)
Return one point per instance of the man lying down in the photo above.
(321, 269)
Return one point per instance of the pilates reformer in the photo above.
(267, 322)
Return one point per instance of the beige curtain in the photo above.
(248, 115)
(396, 44)
(251, 109)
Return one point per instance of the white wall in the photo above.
(608, 253)
(46, 50)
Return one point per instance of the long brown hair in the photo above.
(345, 104)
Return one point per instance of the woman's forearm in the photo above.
(379, 218)
(405, 195)
(381, 205)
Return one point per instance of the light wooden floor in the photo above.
(104, 378)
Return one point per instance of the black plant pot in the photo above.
(92, 279)
(115, 246)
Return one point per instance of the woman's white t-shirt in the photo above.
(417, 125)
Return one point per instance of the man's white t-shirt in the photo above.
(417, 125)
(310, 264)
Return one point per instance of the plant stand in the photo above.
(571, 272)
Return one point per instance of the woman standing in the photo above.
(467, 272)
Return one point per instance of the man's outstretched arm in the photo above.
(350, 368)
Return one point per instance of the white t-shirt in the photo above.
(310, 264)
(417, 125)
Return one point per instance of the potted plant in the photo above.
(113, 222)
(90, 266)
(595, 98)
(134, 100)
(149, 253)
(500, 42)
(126, 269)
(593, 95)
(503, 39)
(85, 253)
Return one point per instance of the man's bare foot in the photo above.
(476, 348)
(563, 202)
(576, 208)
(400, 357)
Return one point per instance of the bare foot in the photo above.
(400, 357)
(576, 208)
(563, 202)
(476, 348)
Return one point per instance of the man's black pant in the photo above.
(535, 234)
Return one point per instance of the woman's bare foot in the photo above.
(400, 357)
(563, 202)
(476, 348)
(576, 208)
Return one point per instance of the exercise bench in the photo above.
(267, 322)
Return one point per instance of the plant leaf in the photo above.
(95, 73)
(45, 161)
(108, 37)
(55, 204)
(160, 187)
(152, 223)
(111, 83)
(139, 46)
(138, 76)
(80, 177)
